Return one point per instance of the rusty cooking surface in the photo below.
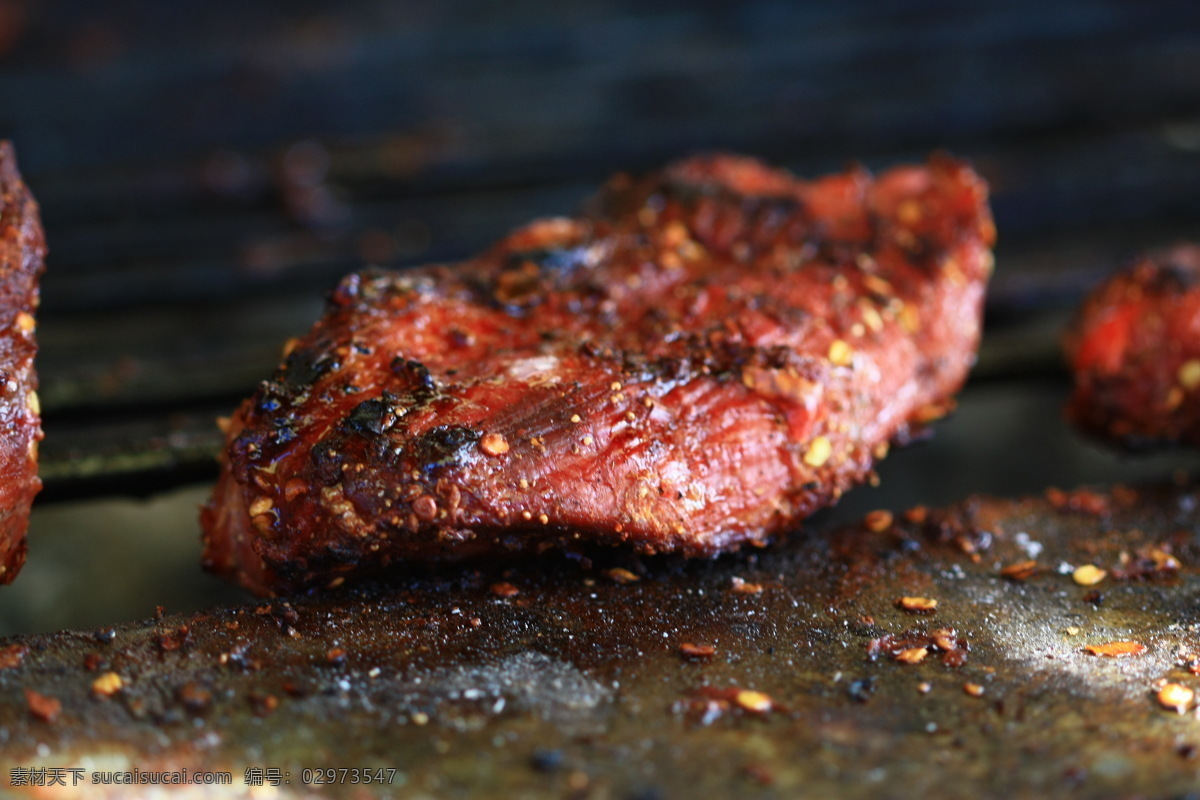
(928, 653)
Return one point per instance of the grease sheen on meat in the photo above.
(22, 249)
(708, 356)
(1134, 348)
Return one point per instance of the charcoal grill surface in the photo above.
(204, 178)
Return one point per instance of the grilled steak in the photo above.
(708, 356)
(1135, 351)
(22, 248)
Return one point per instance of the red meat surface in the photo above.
(709, 355)
(1134, 348)
(22, 249)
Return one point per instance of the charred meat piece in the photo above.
(1134, 348)
(710, 355)
(22, 249)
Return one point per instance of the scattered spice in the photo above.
(174, 639)
(43, 706)
(335, 656)
(902, 647)
(819, 451)
(1176, 696)
(1189, 374)
(1021, 571)
(945, 639)
(1080, 501)
(93, 661)
(878, 521)
(504, 589)
(1152, 561)
(912, 655)
(709, 703)
(739, 586)
(1088, 575)
(697, 652)
(1116, 649)
(194, 697)
(973, 689)
(263, 704)
(841, 354)
(494, 444)
(12, 656)
(107, 685)
(621, 575)
(917, 605)
(754, 702)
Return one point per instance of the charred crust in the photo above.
(441, 448)
(369, 418)
(417, 377)
(304, 366)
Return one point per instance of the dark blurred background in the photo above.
(207, 170)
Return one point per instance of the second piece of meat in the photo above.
(22, 250)
(710, 355)
(1134, 348)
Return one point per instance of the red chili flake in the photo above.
(1176, 696)
(107, 685)
(494, 444)
(335, 655)
(173, 640)
(293, 689)
(1116, 649)
(194, 697)
(93, 662)
(708, 703)
(12, 656)
(953, 647)
(425, 507)
(1149, 562)
(739, 586)
(945, 639)
(1021, 571)
(697, 652)
(917, 605)
(1080, 501)
(973, 689)
(620, 575)
(263, 704)
(912, 655)
(878, 521)
(505, 589)
(954, 658)
(42, 706)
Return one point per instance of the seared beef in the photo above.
(705, 358)
(22, 248)
(1135, 351)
